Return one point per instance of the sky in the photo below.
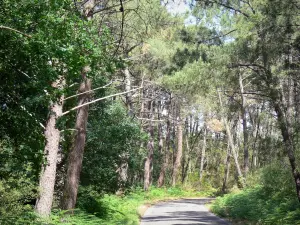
(177, 6)
(180, 7)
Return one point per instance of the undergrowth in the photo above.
(271, 201)
(114, 210)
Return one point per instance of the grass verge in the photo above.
(256, 206)
(115, 210)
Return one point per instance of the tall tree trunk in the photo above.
(162, 174)
(123, 166)
(288, 142)
(178, 154)
(150, 148)
(245, 131)
(48, 172)
(256, 124)
(227, 168)
(76, 154)
(128, 88)
(123, 173)
(203, 152)
(186, 161)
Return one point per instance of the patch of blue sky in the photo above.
(180, 7)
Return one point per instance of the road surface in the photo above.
(181, 212)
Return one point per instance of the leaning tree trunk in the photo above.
(234, 153)
(48, 174)
(178, 154)
(288, 142)
(232, 145)
(76, 154)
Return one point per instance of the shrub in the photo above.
(16, 197)
(273, 201)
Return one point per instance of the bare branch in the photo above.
(73, 96)
(146, 119)
(99, 99)
(11, 29)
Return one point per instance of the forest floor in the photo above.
(182, 211)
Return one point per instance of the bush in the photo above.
(273, 201)
(16, 197)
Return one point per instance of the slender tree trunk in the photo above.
(161, 149)
(48, 174)
(227, 169)
(162, 174)
(297, 105)
(231, 144)
(76, 154)
(203, 153)
(150, 147)
(256, 125)
(128, 88)
(123, 167)
(245, 131)
(234, 152)
(178, 154)
(159, 129)
(186, 162)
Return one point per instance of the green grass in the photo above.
(114, 210)
(271, 201)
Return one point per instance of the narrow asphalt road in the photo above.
(181, 212)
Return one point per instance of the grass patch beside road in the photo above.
(116, 210)
(273, 201)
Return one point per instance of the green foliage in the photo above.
(111, 133)
(113, 210)
(270, 199)
(61, 42)
(16, 195)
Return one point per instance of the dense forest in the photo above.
(106, 104)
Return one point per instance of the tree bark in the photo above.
(245, 131)
(48, 174)
(123, 173)
(123, 167)
(186, 159)
(227, 169)
(161, 179)
(178, 154)
(76, 154)
(203, 152)
(288, 142)
(150, 148)
(128, 88)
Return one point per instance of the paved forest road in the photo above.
(181, 212)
